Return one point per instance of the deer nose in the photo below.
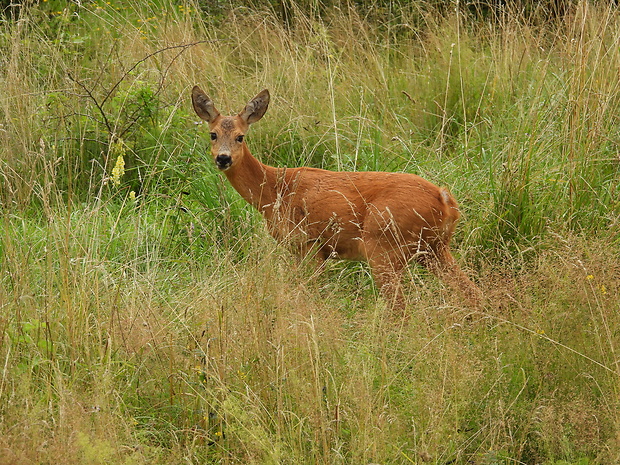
(223, 161)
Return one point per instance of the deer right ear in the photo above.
(203, 106)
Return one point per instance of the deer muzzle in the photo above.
(223, 161)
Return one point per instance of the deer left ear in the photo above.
(256, 108)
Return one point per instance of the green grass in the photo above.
(147, 316)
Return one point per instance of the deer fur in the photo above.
(385, 219)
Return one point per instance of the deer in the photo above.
(387, 219)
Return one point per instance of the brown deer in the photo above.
(386, 219)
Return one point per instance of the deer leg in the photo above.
(313, 257)
(387, 273)
(441, 263)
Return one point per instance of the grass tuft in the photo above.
(147, 317)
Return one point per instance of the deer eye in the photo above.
(213, 136)
(239, 139)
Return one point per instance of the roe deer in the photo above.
(386, 219)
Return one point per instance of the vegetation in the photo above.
(146, 317)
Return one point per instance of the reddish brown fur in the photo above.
(386, 219)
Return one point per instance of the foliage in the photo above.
(147, 317)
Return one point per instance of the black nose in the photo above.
(223, 161)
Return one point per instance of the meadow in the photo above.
(146, 316)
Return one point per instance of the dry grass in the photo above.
(169, 328)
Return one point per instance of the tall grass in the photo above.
(147, 317)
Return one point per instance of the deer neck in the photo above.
(254, 181)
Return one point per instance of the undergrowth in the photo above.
(147, 317)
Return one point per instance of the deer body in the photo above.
(386, 219)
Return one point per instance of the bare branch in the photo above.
(139, 62)
(94, 99)
(135, 116)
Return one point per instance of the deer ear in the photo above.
(203, 106)
(256, 108)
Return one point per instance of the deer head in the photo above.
(228, 132)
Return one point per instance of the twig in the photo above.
(150, 55)
(135, 116)
(94, 99)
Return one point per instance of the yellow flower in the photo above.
(589, 277)
(119, 170)
(118, 148)
(132, 196)
(603, 289)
